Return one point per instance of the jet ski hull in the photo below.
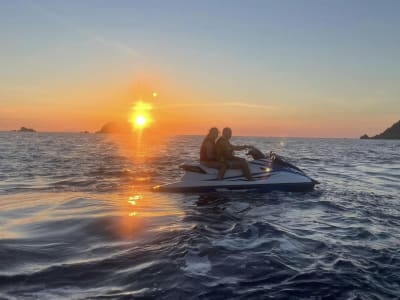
(286, 187)
(269, 174)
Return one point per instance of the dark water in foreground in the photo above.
(77, 220)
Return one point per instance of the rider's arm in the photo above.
(225, 150)
(242, 147)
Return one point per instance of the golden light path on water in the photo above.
(137, 209)
(135, 203)
(121, 215)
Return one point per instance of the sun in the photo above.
(140, 121)
(140, 116)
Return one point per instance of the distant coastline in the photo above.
(391, 133)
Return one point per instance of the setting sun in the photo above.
(140, 121)
(140, 116)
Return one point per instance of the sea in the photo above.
(78, 220)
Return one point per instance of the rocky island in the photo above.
(24, 129)
(116, 127)
(392, 133)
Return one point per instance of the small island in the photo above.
(116, 127)
(25, 129)
(392, 133)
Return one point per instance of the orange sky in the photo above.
(177, 110)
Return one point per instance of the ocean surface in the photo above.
(78, 220)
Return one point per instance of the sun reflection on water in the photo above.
(133, 201)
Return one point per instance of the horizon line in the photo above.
(238, 136)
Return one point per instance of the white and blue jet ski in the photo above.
(269, 173)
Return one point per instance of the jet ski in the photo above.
(270, 172)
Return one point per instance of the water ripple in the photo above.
(77, 220)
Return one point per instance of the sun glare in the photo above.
(140, 117)
(140, 121)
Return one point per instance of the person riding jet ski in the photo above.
(225, 153)
(208, 153)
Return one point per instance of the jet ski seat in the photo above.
(198, 168)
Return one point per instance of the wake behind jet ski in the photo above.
(270, 173)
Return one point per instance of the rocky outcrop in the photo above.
(116, 127)
(391, 133)
(24, 129)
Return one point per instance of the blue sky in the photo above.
(320, 58)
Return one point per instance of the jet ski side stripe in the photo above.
(270, 172)
(292, 187)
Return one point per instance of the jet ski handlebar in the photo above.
(275, 158)
(257, 154)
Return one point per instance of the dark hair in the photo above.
(213, 129)
(227, 130)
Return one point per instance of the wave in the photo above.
(77, 220)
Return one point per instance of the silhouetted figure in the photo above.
(225, 151)
(208, 153)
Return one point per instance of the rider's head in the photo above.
(213, 133)
(227, 133)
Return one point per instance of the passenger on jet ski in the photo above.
(208, 153)
(225, 151)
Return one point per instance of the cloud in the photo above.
(221, 104)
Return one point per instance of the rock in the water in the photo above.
(116, 127)
(24, 129)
